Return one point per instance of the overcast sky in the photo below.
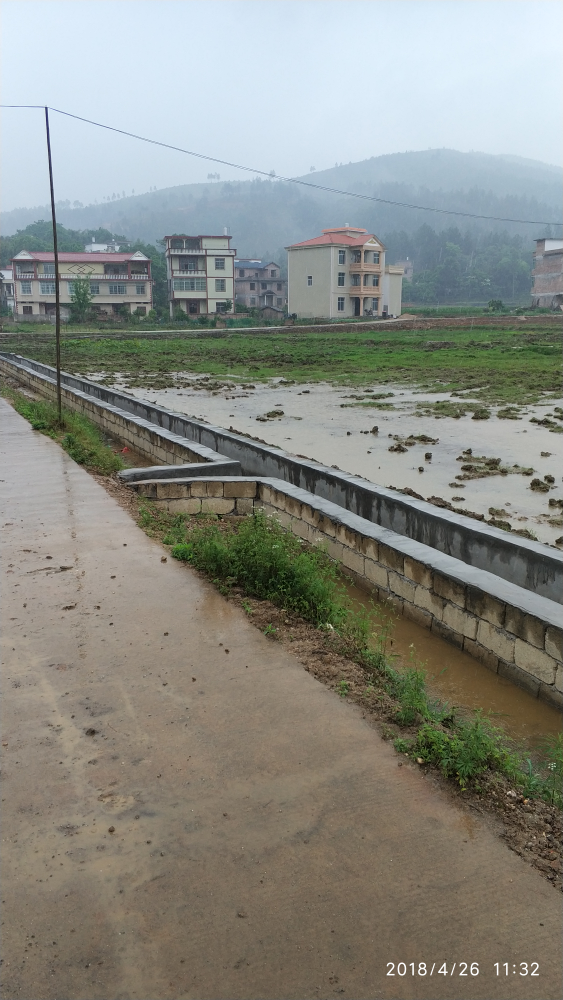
(276, 84)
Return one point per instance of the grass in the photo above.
(263, 560)
(494, 365)
(80, 438)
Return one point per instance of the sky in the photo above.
(278, 85)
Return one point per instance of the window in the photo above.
(26, 287)
(117, 290)
(177, 244)
(25, 268)
(279, 286)
(309, 280)
(341, 277)
(273, 274)
(220, 284)
(376, 257)
(252, 286)
(189, 285)
(375, 305)
(341, 256)
(140, 289)
(252, 300)
(94, 288)
(27, 310)
(263, 285)
(279, 303)
(356, 256)
(193, 244)
(219, 263)
(141, 310)
(48, 268)
(241, 273)
(47, 287)
(355, 279)
(340, 303)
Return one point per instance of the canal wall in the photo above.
(528, 564)
(511, 631)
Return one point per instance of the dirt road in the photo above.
(188, 814)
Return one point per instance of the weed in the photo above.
(402, 745)
(343, 688)
(246, 607)
(271, 631)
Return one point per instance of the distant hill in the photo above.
(265, 215)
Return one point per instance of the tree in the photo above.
(81, 300)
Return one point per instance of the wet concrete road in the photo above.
(188, 814)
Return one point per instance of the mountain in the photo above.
(265, 215)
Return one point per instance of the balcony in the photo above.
(188, 273)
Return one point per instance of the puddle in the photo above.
(318, 423)
(457, 678)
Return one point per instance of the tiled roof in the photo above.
(334, 239)
(80, 258)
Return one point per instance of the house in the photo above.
(258, 284)
(94, 247)
(200, 271)
(7, 288)
(341, 274)
(407, 266)
(118, 282)
(547, 275)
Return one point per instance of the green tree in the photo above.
(81, 300)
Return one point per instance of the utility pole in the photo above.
(57, 290)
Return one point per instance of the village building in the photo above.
(200, 271)
(259, 285)
(547, 275)
(342, 274)
(119, 282)
(7, 289)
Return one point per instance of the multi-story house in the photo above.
(341, 274)
(547, 275)
(258, 284)
(200, 272)
(7, 288)
(118, 282)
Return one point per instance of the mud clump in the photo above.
(538, 486)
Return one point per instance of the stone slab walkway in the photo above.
(188, 814)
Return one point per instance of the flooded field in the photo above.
(335, 425)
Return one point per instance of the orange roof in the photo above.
(335, 237)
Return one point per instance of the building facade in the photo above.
(7, 289)
(119, 282)
(259, 285)
(547, 275)
(200, 271)
(342, 274)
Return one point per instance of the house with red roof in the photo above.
(341, 274)
(119, 282)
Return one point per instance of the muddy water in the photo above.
(455, 677)
(319, 423)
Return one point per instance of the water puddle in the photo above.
(327, 424)
(457, 678)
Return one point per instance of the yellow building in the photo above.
(118, 282)
(341, 274)
(200, 272)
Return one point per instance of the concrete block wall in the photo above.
(511, 631)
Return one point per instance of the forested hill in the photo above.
(265, 215)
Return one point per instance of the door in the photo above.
(357, 307)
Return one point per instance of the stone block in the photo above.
(428, 601)
(478, 652)
(449, 634)
(417, 615)
(535, 661)
(353, 560)
(418, 572)
(171, 491)
(526, 627)
(550, 694)
(198, 489)
(459, 620)
(484, 606)
(402, 587)
(559, 678)
(217, 505)
(520, 677)
(554, 642)
(376, 573)
(244, 505)
(327, 526)
(147, 490)
(450, 589)
(369, 547)
(497, 641)
(391, 558)
(335, 549)
(309, 514)
(266, 493)
(185, 506)
(215, 490)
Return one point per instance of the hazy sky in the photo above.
(277, 84)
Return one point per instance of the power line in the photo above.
(279, 177)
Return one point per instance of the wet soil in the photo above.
(334, 426)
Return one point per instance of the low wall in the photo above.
(150, 441)
(511, 631)
(528, 564)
